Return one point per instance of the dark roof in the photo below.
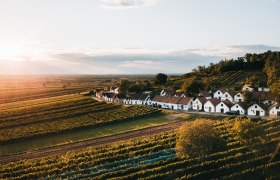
(172, 100)
(243, 105)
(185, 100)
(223, 90)
(179, 94)
(159, 98)
(266, 96)
(119, 96)
(214, 101)
(205, 94)
(273, 105)
(231, 93)
(261, 105)
(203, 100)
(109, 95)
(228, 103)
(135, 96)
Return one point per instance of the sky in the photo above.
(131, 36)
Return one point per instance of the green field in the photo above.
(94, 132)
(154, 157)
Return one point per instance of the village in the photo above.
(224, 101)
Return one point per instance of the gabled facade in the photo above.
(247, 88)
(239, 97)
(198, 103)
(210, 105)
(266, 98)
(274, 111)
(255, 110)
(219, 93)
(205, 94)
(240, 108)
(185, 103)
(224, 106)
(228, 95)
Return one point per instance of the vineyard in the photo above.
(27, 119)
(154, 157)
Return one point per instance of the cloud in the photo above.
(126, 4)
(126, 61)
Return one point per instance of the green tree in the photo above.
(124, 86)
(199, 138)
(247, 131)
(248, 96)
(161, 79)
(193, 86)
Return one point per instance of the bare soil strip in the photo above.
(62, 149)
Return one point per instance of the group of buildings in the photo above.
(220, 101)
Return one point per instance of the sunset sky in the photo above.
(131, 36)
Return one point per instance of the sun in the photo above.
(12, 52)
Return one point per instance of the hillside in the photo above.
(253, 69)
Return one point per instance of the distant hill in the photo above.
(253, 69)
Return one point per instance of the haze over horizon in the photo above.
(131, 36)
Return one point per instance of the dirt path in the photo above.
(62, 149)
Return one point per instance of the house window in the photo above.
(256, 106)
(226, 95)
(218, 92)
(277, 107)
(236, 106)
(269, 101)
(238, 95)
(222, 105)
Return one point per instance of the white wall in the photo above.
(237, 107)
(197, 105)
(227, 96)
(273, 112)
(209, 107)
(221, 106)
(252, 110)
(218, 94)
(239, 97)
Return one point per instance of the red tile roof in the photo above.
(214, 101)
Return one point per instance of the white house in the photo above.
(224, 106)
(228, 95)
(239, 107)
(219, 93)
(185, 103)
(198, 103)
(255, 110)
(205, 94)
(274, 110)
(266, 98)
(210, 105)
(239, 97)
(247, 88)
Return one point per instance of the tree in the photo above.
(193, 86)
(247, 131)
(275, 87)
(248, 96)
(199, 138)
(161, 79)
(124, 86)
